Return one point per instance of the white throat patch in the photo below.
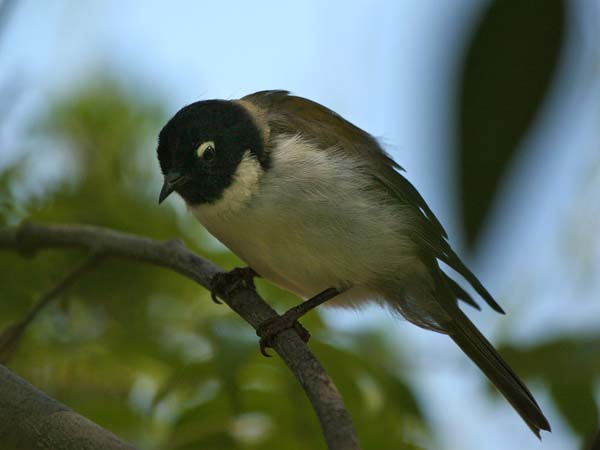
(243, 186)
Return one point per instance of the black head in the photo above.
(200, 148)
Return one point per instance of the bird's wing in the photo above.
(288, 115)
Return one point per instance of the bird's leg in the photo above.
(272, 327)
(223, 284)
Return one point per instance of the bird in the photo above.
(314, 204)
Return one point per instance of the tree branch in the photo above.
(10, 337)
(334, 418)
(30, 419)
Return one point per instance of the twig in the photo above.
(334, 418)
(10, 337)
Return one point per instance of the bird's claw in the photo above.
(223, 284)
(272, 327)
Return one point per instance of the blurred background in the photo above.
(492, 107)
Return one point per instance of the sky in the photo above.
(386, 66)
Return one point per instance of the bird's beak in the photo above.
(172, 180)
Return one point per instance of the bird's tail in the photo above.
(477, 347)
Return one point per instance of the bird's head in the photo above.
(202, 146)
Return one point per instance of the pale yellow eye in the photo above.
(206, 150)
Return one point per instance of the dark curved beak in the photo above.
(172, 180)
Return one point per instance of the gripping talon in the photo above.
(223, 284)
(214, 298)
(263, 347)
(272, 327)
(302, 332)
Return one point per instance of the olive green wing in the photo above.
(288, 115)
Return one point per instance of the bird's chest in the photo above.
(309, 223)
(279, 242)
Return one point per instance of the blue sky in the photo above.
(386, 66)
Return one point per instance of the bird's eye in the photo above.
(206, 150)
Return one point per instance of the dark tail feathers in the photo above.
(476, 346)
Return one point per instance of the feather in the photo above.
(290, 115)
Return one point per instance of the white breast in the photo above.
(311, 222)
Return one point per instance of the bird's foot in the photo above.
(223, 284)
(272, 327)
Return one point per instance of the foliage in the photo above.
(509, 65)
(571, 369)
(143, 351)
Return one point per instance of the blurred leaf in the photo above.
(9, 340)
(510, 62)
(571, 368)
(214, 441)
(141, 350)
(374, 391)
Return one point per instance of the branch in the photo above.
(30, 419)
(334, 418)
(10, 337)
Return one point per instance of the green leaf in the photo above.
(570, 366)
(509, 65)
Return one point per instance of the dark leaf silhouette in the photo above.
(570, 366)
(508, 69)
